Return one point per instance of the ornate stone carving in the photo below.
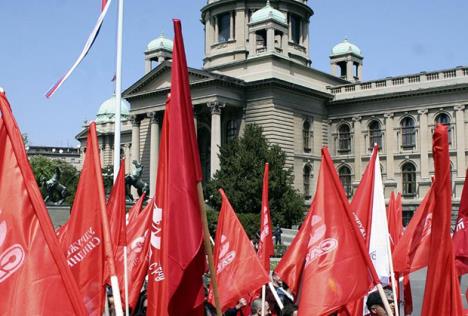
(422, 111)
(357, 118)
(216, 107)
(155, 117)
(135, 120)
(459, 107)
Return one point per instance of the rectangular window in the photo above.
(224, 27)
(344, 144)
(295, 29)
(408, 135)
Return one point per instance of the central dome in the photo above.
(268, 12)
(106, 111)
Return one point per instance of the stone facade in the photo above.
(258, 71)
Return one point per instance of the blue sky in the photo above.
(40, 39)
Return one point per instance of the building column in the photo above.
(147, 65)
(231, 29)
(135, 138)
(357, 147)
(215, 136)
(285, 44)
(155, 121)
(349, 70)
(424, 143)
(270, 40)
(252, 44)
(209, 30)
(359, 70)
(389, 145)
(460, 121)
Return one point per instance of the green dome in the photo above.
(160, 42)
(346, 47)
(268, 13)
(106, 111)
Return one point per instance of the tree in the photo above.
(44, 168)
(241, 176)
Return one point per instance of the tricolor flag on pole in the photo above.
(89, 43)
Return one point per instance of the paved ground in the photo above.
(59, 214)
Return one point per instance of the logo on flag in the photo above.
(12, 258)
(226, 256)
(156, 227)
(318, 246)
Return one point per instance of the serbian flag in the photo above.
(334, 245)
(177, 254)
(412, 250)
(239, 271)
(265, 245)
(138, 234)
(34, 275)
(460, 237)
(442, 291)
(89, 43)
(136, 208)
(83, 240)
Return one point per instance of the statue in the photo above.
(134, 179)
(56, 192)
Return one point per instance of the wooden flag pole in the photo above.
(209, 251)
(388, 309)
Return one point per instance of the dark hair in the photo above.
(289, 310)
(374, 299)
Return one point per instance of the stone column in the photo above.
(334, 69)
(215, 135)
(349, 70)
(357, 147)
(359, 70)
(424, 143)
(285, 44)
(155, 121)
(460, 121)
(147, 65)
(389, 145)
(209, 29)
(231, 24)
(215, 22)
(135, 138)
(270, 40)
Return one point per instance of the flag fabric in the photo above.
(265, 244)
(239, 271)
(83, 239)
(442, 291)
(138, 234)
(116, 209)
(135, 209)
(460, 237)
(177, 254)
(34, 276)
(391, 219)
(89, 43)
(407, 295)
(334, 244)
(412, 250)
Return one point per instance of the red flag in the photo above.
(138, 234)
(442, 291)
(34, 276)
(265, 245)
(239, 271)
(178, 257)
(116, 209)
(412, 250)
(408, 298)
(83, 239)
(136, 208)
(392, 222)
(334, 245)
(460, 237)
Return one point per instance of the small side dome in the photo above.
(268, 13)
(106, 111)
(344, 48)
(160, 43)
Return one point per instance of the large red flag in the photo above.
(83, 239)
(239, 271)
(265, 245)
(136, 208)
(335, 244)
(178, 258)
(392, 221)
(442, 291)
(411, 253)
(34, 276)
(460, 237)
(138, 234)
(116, 209)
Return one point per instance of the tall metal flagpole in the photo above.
(118, 101)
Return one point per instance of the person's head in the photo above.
(375, 304)
(256, 307)
(289, 310)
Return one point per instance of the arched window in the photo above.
(408, 133)
(408, 171)
(231, 130)
(307, 174)
(375, 134)
(224, 27)
(345, 178)
(444, 119)
(344, 138)
(306, 135)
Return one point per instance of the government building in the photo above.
(257, 69)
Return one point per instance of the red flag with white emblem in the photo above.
(239, 271)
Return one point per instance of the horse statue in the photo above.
(134, 179)
(55, 191)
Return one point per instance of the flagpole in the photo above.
(263, 300)
(392, 275)
(209, 251)
(117, 125)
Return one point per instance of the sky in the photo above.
(41, 39)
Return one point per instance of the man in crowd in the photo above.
(375, 304)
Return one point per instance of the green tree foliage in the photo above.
(241, 176)
(44, 168)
